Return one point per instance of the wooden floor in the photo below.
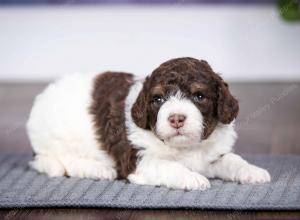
(268, 123)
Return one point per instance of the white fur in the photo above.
(193, 125)
(164, 163)
(61, 131)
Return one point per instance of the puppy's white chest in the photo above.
(198, 160)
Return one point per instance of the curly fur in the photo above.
(112, 125)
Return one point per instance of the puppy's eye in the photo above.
(198, 97)
(157, 99)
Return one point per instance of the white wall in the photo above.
(241, 42)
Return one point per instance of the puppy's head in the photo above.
(182, 101)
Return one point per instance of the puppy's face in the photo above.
(182, 102)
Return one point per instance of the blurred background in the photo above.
(254, 45)
(244, 40)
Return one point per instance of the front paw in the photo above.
(193, 181)
(250, 174)
(186, 180)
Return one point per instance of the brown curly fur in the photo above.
(110, 91)
(184, 74)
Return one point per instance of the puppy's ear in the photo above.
(139, 108)
(228, 106)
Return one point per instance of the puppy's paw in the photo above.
(193, 181)
(49, 165)
(250, 174)
(107, 173)
(186, 180)
(91, 169)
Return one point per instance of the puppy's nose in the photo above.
(177, 120)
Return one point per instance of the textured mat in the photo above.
(22, 187)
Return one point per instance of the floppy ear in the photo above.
(228, 106)
(139, 109)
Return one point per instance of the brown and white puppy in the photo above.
(174, 128)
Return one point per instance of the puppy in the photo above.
(175, 128)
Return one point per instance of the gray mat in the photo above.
(22, 187)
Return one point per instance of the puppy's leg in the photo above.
(85, 167)
(167, 173)
(47, 164)
(232, 167)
